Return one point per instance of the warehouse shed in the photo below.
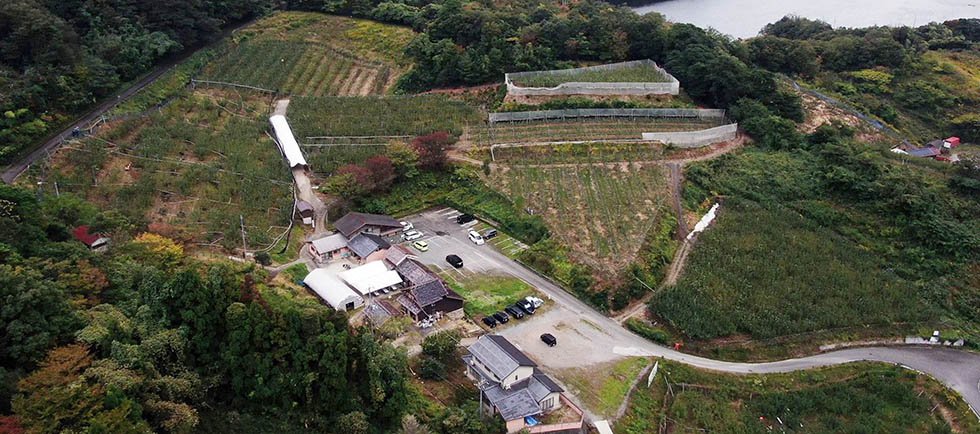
(332, 290)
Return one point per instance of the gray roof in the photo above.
(355, 221)
(430, 292)
(515, 405)
(499, 360)
(409, 304)
(546, 381)
(330, 243)
(397, 254)
(365, 244)
(303, 205)
(414, 273)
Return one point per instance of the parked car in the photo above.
(549, 339)
(455, 261)
(421, 246)
(489, 321)
(407, 226)
(412, 235)
(476, 238)
(536, 302)
(514, 311)
(464, 218)
(526, 306)
(501, 317)
(489, 233)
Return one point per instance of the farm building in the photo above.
(511, 383)
(354, 223)
(329, 247)
(953, 141)
(927, 152)
(371, 278)
(432, 299)
(381, 311)
(305, 211)
(332, 290)
(398, 254)
(363, 245)
(92, 241)
(287, 142)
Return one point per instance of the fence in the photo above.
(606, 113)
(695, 139)
(669, 87)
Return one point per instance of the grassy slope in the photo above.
(303, 53)
(851, 398)
(766, 273)
(602, 214)
(603, 389)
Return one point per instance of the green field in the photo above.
(488, 294)
(566, 153)
(601, 213)
(632, 74)
(299, 53)
(585, 129)
(603, 388)
(377, 116)
(770, 272)
(194, 167)
(855, 398)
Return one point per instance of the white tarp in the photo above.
(704, 222)
(603, 427)
(371, 277)
(331, 289)
(288, 142)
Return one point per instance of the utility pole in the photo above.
(241, 220)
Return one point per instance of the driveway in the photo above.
(587, 337)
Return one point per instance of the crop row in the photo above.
(298, 68)
(595, 129)
(365, 116)
(631, 74)
(610, 208)
(588, 152)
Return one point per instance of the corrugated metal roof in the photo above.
(370, 277)
(329, 243)
(365, 244)
(287, 141)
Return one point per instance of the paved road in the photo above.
(595, 338)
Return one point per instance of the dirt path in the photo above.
(676, 178)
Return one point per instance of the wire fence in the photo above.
(694, 139)
(703, 114)
(668, 86)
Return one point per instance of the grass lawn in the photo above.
(603, 388)
(486, 294)
(296, 272)
(770, 272)
(632, 74)
(855, 398)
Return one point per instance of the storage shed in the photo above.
(332, 290)
(371, 277)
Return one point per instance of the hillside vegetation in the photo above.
(851, 398)
(299, 53)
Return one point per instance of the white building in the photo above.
(290, 148)
(332, 290)
(371, 278)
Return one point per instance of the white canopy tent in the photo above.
(332, 290)
(371, 277)
(287, 141)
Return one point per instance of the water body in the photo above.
(744, 18)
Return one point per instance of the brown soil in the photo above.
(819, 112)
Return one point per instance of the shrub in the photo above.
(648, 331)
(431, 368)
(442, 345)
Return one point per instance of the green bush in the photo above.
(653, 333)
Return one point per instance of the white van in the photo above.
(476, 238)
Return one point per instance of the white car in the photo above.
(412, 235)
(476, 238)
(536, 302)
(407, 226)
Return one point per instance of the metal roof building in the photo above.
(371, 277)
(332, 290)
(287, 142)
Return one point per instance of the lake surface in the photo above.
(744, 18)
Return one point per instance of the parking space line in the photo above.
(440, 211)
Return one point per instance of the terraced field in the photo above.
(584, 129)
(298, 53)
(631, 74)
(602, 213)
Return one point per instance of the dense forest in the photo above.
(58, 58)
